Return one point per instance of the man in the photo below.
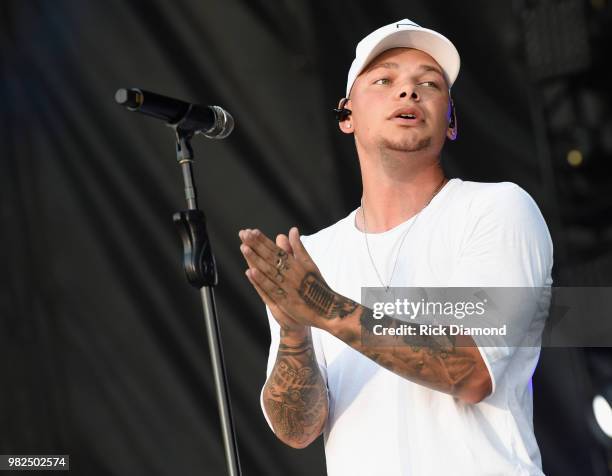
(425, 409)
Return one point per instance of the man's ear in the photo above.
(343, 115)
(451, 132)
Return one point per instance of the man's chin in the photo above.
(406, 145)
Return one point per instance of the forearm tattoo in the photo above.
(295, 395)
(434, 361)
(325, 302)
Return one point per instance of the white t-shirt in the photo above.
(471, 234)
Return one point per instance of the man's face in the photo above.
(397, 84)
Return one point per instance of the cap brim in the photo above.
(429, 41)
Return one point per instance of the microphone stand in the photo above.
(201, 271)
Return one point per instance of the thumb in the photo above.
(298, 248)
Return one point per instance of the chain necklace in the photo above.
(365, 235)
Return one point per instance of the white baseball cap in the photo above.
(405, 34)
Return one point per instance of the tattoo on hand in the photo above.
(319, 297)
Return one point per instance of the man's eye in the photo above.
(382, 81)
(429, 84)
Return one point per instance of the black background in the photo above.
(103, 346)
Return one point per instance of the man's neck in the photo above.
(394, 190)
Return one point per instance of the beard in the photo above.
(392, 150)
(405, 144)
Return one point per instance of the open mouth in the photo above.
(407, 115)
(407, 119)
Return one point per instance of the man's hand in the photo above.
(289, 282)
(288, 325)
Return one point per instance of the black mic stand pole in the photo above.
(201, 271)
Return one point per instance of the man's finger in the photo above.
(283, 242)
(262, 294)
(249, 238)
(262, 245)
(248, 258)
(255, 261)
(273, 289)
(275, 309)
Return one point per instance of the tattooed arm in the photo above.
(294, 284)
(449, 364)
(295, 394)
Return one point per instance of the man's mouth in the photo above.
(407, 115)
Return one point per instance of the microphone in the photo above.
(213, 122)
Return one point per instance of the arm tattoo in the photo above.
(325, 302)
(434, 361)
(437, 362)
(295, 395)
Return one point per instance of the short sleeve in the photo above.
(506, 243)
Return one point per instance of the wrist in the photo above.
(347, 328)
(294, 335)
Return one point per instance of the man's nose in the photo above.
(413, 95)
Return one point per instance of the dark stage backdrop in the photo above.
(103, 347)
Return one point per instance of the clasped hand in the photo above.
(286, 278)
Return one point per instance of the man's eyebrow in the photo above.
(383, 65)
(390, 65)
(429, 67)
